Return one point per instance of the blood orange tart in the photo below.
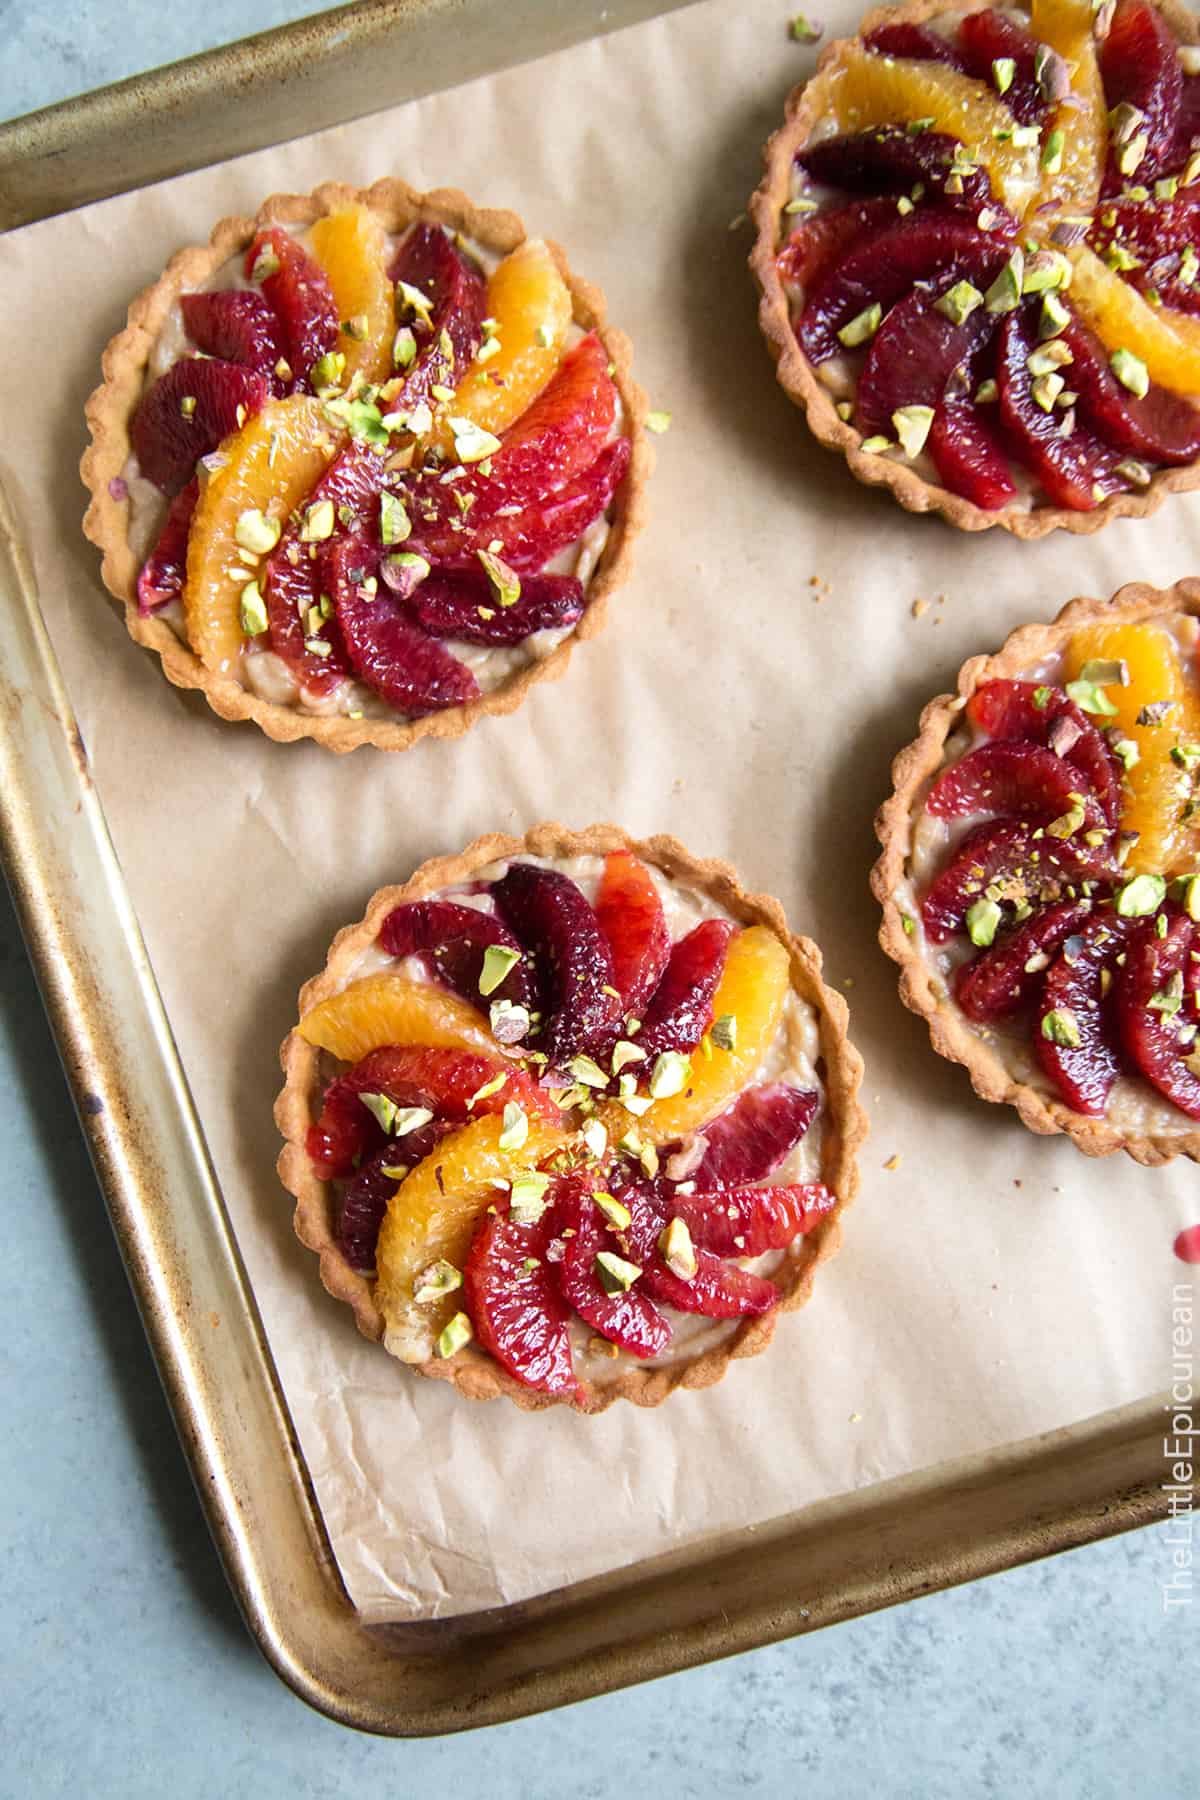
(570, 1118)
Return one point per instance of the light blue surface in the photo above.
(124, 1669)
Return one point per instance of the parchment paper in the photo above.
(993, 1285)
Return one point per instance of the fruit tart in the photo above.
(364, 468)
(570, 1118)
(1040, 876)
(978, 243)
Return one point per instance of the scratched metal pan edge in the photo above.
(834, 1561)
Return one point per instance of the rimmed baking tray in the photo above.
(883, 1544)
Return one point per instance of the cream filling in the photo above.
(1134, 1106)
(261, 670)
(791, 1058)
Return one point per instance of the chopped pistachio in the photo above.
(435, 1281)
(1048, 357)
(1004, 68)
(862, 328)
(412, 568)
(317, 646)
(1130, 155)
(1170, 999)
(1190, 895)
(904, 205)
(800, 205)
(1106, 671)
(253, 610)
(358, 328)
(457, 1334)
(613, 1211)
(912, 425)
(471, 443)
(805, 31)
(404, 347)
(1004, 295)
(1069, 822)
(487, 350)
(1120, 258)
(318, 523)
(394, 522)
(381, 1109)
(527, 1196)
(510, 1021)
(415, 301)
(595, 1137)
(328, 370)
(986, 393)
(1042, 697)
(724, 1031)
(1024, 137)
(909, 924)
(514, 1127)
(917, 126)
(669, 1075)
(1137, 474)
(1045, 271)
(983, 919)
(1052, 152)
(187, 405)
(615, 1274)
(505, 582)
(658, 422)
(959, 302)
(1046, 389)
(1187, 756)
(487, 1090)
(361, 418)
(1142, 895)
(1130, 371)
(499, 960)
(678, 1251)
(1156, 713)
(1054, 317)
(875, 445)
(587, 1072)
(1126, 751)
(1091, 698)
(624, 1052)
(1189, 266)
(266, 264)
(1061, 1027)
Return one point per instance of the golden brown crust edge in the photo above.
(473, 1372)
(916, 763)
(796, 374)
(110, 409)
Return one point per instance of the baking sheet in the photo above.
(993, 1285)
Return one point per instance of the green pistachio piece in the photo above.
(1189, 266)
(595, 1137)
(987, 393)
(800, 205)
(1130, 371)
(724, 1031)
(253, 610)
(1190, 895)
(678, 1251)
(404, 347)
(862, 328)
(1042, 697)
(1186, 755)
(917, 126)
(959, 302)
(187, 405)
(1062, 1027)
(904, 206)
(1048, 357)
(1130, 155)
(1068, 823)
(471, 443)
(616, 1276)
(875, 445)
(1141, 896)
(1090, 698)
(658, 422)
(1126, 751)
(912, 425)
(527, 1196)
(623, 1053)
(510, 1021)
(394, 522)
(1004, 68)
(983, 920)
(1024, 137)
(1137, 474)
(514, 1127)
(1004, 295)
(1054, 317)
(487, 350)
(505, 582)
(414, 568)
(545, 336)
(1046, 389)
(381, 1109)
(1170, 999)
(616, 1214)
(256, 533)
(669, 1075)
(358, 328)
(319, 521)
(909, 924)
(805, 31)
(587, 1072)
(328, 370)
(487, 1090)
(436, 1281)
(1052, 152)
(456, 1336)
(1046, 271)
(415, 302)
(410, 1118)
(1106, 671)
(498, 963)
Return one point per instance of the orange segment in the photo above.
(1153, 801)
(887, 90)
(1066, 25)
(1167, 342)
(433, 1215)
(388, 1008)
(531, 305)
(351, 246)
(752, 988)
(271, 464)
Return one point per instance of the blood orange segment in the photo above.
(1168, 344)
(1075, 1033)
(748, 1221)
(881, 90)
(270, 466)
(1157, 1003)
(749, 1142)
(187, 412)
(530, 302)
(351, 246)
(433, 1216)
(989, 36)
(388, 1008)
(513, 1298)
(1082, 118)
(629, 1320)
(1007, 975)
(1015, 778)
(1141, 68)
(717, 1290)
(681, 1009)
(298, 289)
(630, 915)
(162, 575)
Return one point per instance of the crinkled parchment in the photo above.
(993, 1284)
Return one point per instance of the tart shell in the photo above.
(797, 376)
(920, 987)
(471, 1370)
(112, 405)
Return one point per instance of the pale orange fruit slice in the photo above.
(531, 306)
(432, 1218)
(1073, 186)
(885, 90)
(1167, 342)
(352, 248)
(1154, 795)
(269, 466)
(388, 1008)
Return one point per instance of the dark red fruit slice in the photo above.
(681, 1008)
(718, 1290)
(891, 159)
(630, 1320)
(750, 1220)
(299, 291)
(1156, 1037)
(167, 442)
(751, 1139)
(530, 538)
(409, 669)
(238, 326)
(968, 456)
(1009, 855)
(918, 42)
(296, 573)
(631, 918)
(1074, 991)
(824, 238)
(913, 356)
(457, 297)
(999, 981)
(451, 940)
(1139, 63)
(1014, 778)
(553, 920)
(514, 1303)
(1148, 229)
(921, 248)
(163, 573)
(464, 606)
(365, 1198)
(1161, 426)
(1188, 129)
(989, 36)
(444, 1081)
(1010, 709)
(1077, 471)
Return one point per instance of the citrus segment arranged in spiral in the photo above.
(388, 1008)
(990, 263)
(352, 248)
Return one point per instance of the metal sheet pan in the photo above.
(875, 1548)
